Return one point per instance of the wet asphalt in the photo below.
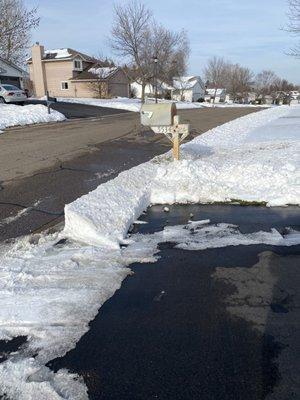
(73, 110)
(168, 333)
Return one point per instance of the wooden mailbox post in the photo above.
(163, 118)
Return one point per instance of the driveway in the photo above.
(73, 110)
(213, 324)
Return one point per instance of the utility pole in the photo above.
(155, 59)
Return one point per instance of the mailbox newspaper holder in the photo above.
(163, 118)
(50, 100)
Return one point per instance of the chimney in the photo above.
(38, 69)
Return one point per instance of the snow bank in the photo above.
(13, 115)
(253, 158)
(124, 103)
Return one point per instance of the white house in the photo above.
(162, 89)
(188, 88)
(219, 95)
(11, 74)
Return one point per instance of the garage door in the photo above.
(10, 80)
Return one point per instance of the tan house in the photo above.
(70, 73)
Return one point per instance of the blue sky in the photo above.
(243, 31)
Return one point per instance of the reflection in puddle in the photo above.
(267, 295)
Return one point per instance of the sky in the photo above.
(249, 32)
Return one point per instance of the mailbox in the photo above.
(163, 118)
(158, 114)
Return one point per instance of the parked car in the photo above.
(12, 94)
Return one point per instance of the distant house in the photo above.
(295, 95)
(11, 74)
(188, 88)
(163, 89)
(70, 73)
(218, 95)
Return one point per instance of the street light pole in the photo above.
(155, 59)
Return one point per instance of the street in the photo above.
(44, 167)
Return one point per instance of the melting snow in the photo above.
(13, 115)
(51, 289)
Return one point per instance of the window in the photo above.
(77, 65)
(64, 85)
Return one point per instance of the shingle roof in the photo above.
(14, 66)
(64, 54)
(96, 72)
(185, 82)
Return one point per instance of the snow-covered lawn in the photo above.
(13, 115)
(124, 103)
(51, 288)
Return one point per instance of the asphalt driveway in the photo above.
(73, 110)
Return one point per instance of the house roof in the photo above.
(212, 92)
(186, 82)
(14, 66)
(64, 54)
(96, 72)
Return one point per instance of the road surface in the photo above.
(45, 167)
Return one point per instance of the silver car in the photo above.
(11, 94)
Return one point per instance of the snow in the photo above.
(124, 103)
(60, 53)
(51, 288)
(103, 72)
(214, 92)
(185, 82)
(13, 115)
(253, 158)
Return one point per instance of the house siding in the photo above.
(118, 85)
(48, 75)
(57, 72)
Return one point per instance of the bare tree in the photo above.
(294, 25)
(239, 82)
(264, 83)
(136, 36)
(99, 85)
(217, 73)
(16, 23)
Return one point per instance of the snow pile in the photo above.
(124, 103)
(253, 158)
(13, 115)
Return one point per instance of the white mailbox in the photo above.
(161, 114)
(163, 118)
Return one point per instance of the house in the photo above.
(294, 95)
(70, 73)
(217, 94)
(163, 89)
(11, 74)
(188, 88)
